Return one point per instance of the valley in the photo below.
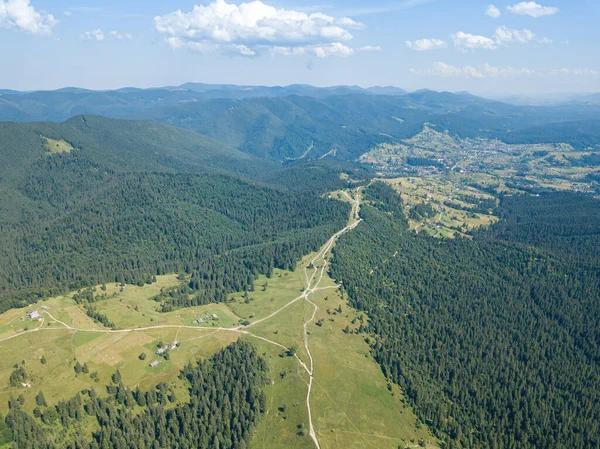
(345, 269)
(488, 163)
(319, 368)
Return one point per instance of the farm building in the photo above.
(162, 350)
(154, 364)
(34, 315)
(45, 308)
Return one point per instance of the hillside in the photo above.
(288, 123)
(126, 146)
(97, 199)
(488, 336)
(61, 104)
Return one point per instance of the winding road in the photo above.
(319, 262)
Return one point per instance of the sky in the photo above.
(495, 47)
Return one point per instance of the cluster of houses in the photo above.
(162, 350)
(35, 314)
(207, 317)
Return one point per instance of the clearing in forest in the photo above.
(443, 208)
(325, 388)
(54, 146)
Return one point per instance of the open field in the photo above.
(352, 404)
(443, 208)
(57, 146)
(101, 350)
(298, 320)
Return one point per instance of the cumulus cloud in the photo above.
(465, 41)
(493, 12)
(97, 35)
(121, 37)
(441, 69)
(426, 44)
(250, 28)
(532, 9)
(20, 15)
(504, 35)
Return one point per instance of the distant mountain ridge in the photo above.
(306, 122)
(234, 90)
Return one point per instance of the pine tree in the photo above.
(41, 400)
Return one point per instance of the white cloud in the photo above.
(97, 35)
(67, 13)
(426, 44)
(250, 28)
(532, 9)
(369, 48)
(20, 15)
(493, 12)
(465, 41)
(447, 71)
(121, 37)
(504, 35)
(441, 69)
(334, 49)
(320, 51)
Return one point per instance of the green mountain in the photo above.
(128, 145)
(343, 127)
(496, 339)
(96, 199)
(298, 121)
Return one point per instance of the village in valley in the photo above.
(434, 152)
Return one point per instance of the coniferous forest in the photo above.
(494, 339)
(226, 400)
(125, 213)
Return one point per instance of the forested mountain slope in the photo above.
(346, 126)
(303, 121)
(118, 200)
(124, 145)
(61, 104)
(495, 340)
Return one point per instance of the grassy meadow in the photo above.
(352, 404)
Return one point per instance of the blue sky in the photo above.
(512, 47)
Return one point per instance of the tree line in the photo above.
(89, 224)
(226, 401)
(495, 339)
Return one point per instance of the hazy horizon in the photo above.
(488, 48)
(534, 98)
